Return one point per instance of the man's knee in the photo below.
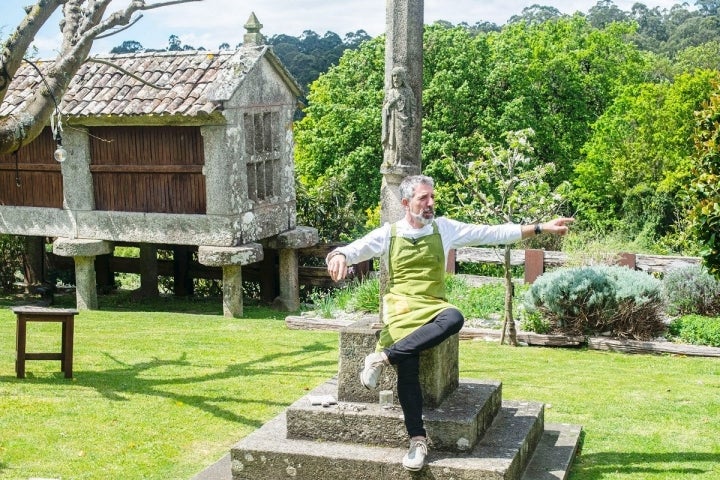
(454, 320)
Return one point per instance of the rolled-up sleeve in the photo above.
(372, 245)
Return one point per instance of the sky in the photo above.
(209, 23)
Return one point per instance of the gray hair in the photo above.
(410, 183)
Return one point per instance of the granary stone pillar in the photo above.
(83, 252)
(288, 243)
(148, 270)
(78, 191)
(231, 259)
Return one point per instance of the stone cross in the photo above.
(402, 107)
(401, 132)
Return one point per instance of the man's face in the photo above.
(421, 207)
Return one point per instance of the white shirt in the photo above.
(454, 234)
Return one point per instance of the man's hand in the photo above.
(557, 226)
(337, 267)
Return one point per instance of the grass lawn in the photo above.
(162, 390)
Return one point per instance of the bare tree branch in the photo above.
(120, 29)
(19, 41)
(83, 21)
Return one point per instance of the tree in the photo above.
(310, 55)
(557, 77)
(504, 185)
(128, 46)
(82, 22)
(638, 159)
(705, 184)
(174, 43)
(536, 14)
(339, 135)
(604, 13)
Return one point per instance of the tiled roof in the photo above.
(195, 83)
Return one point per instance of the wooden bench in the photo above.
(27, 314)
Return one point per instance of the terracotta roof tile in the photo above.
(198, 81)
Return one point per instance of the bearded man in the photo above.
(416, 314)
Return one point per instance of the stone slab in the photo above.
(555, 453)
(552, 459)
(267, 454)
(225, 256)
(81, 247)
(456, 425)
(300, 237)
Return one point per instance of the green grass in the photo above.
(643, 416)
(155, 395)
(162, 395)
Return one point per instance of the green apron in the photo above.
(416, 285)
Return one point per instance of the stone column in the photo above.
(78, 188)
(231, 259)
(148, 270)
(402, 106)
(401, 137)
(288, 243)
(232, 300)
(83, 252)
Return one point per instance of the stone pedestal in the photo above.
(231, 259)
(83, 252)
(287, 244)
(438, 367)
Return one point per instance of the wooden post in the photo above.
(628, 260)
(534, 264)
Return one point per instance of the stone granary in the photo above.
(190, 148)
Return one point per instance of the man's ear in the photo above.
(404, 202)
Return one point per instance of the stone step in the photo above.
(456, 425)
(554, 453)
(552, 459)
(502, 453)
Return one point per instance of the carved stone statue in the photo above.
(398, 118)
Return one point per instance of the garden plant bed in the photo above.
(529, 338)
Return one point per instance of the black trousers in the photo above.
(405, 355)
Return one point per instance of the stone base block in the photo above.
(439, 374)
(456, 425)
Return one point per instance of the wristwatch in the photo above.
(538, 229)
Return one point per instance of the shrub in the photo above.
(691, 290)
(366, 296)
(598, 300)
(696, 330)
(11, 261)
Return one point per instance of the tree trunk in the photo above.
(509, 324)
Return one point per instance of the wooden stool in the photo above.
(43, 314)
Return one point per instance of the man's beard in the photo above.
(423, 220)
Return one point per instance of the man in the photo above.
(416, 315)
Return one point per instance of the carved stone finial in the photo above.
(253, 35)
